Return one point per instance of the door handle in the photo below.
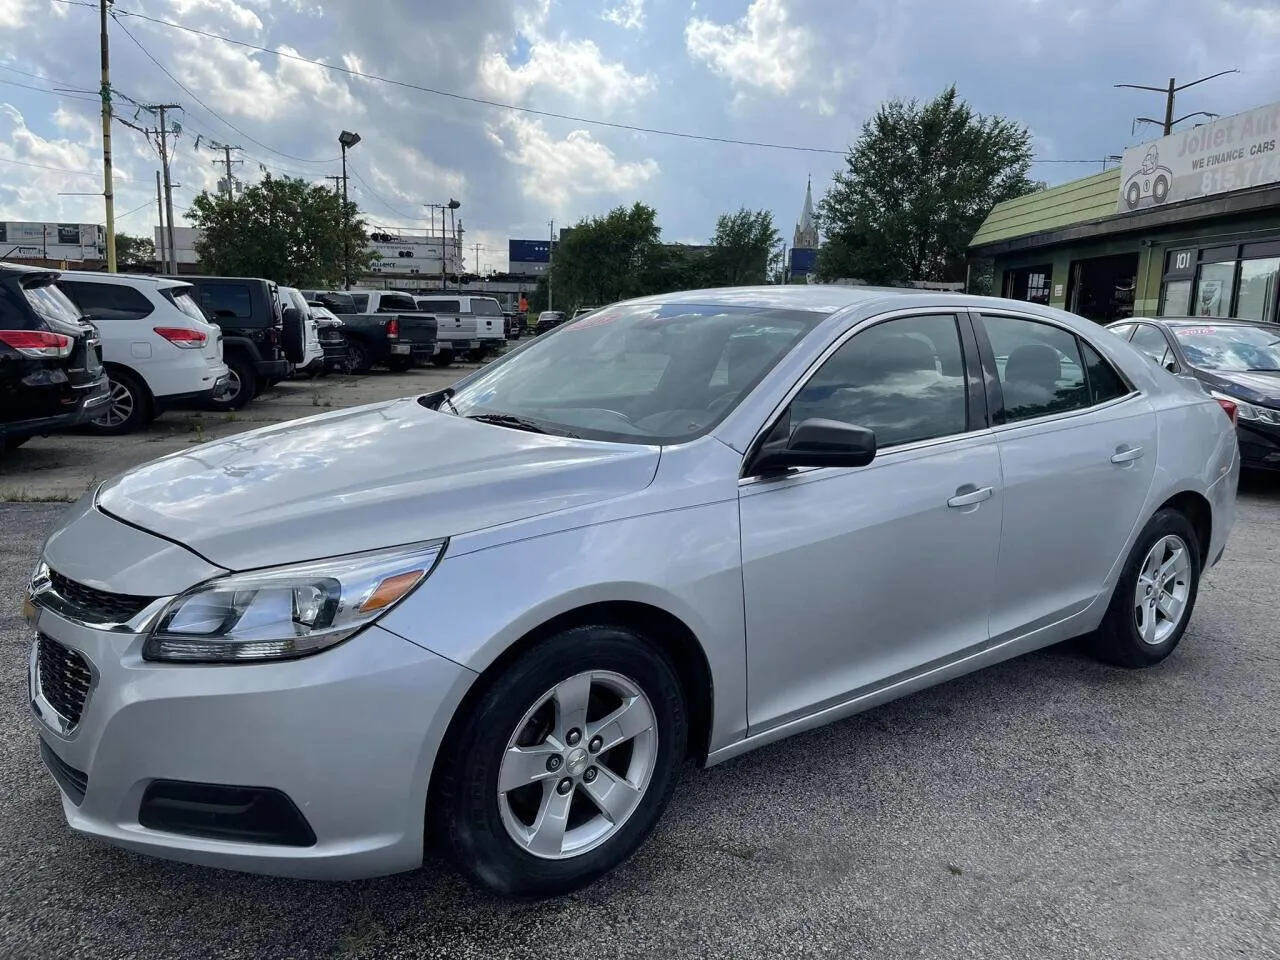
(1127, 455)
(970, 497)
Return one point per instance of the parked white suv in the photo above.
(312, 364)
(159, 349)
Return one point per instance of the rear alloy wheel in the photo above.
(359, 354)
(1155, 595)
(241, 385)
(129, 409)
(562, 767)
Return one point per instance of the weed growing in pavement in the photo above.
(23, 495)
(231, 416)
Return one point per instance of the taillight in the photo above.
(393, 327)
(182, 337)
(38, 344)
(1228, 407)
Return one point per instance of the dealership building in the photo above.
(1187, 225)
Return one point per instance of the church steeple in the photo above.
(806, 235)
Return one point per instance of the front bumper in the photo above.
(1259, 445)
(348, 736)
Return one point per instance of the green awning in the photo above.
(1080, 201)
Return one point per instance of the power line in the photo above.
(213, 113)
(480, 101)
(75, 173)
(55, 93)
(402, 215)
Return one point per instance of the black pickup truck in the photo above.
(381, 327)
(255, 346)
(51, 373)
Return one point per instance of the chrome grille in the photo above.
(65, 679)
(96, 606)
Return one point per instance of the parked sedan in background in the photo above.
(1236, 360)
(548, 320)
(51, 374)
(750, 512)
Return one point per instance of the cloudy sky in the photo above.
(804, 73)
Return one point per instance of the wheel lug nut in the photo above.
(595, 744)
(565, 785)
(590, 775)
(574, 736)
(553, 763)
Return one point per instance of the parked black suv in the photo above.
(254, 347)
(51, 374)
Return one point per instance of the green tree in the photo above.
(916, 186)
(134, 251)
(744, 247)
(605, 259)
(284, 229)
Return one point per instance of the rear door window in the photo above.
(396, 303)
(360, 301)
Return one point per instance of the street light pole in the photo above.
(1170, 92)
(346, 139)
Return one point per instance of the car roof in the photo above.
(8, 267)
(818, 298)
(99, 275)
(1205, 321)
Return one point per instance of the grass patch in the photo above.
(23, 495)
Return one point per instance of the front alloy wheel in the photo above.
(559, 767)
(568, 783)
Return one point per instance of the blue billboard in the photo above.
(529, 251)
(802, 261)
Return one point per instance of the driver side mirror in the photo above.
(818, 443)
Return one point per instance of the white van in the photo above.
(486, 313)
(159, 349)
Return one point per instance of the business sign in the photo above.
(1234, 153)
(803, 261)
(529, 251)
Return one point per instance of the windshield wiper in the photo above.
(432, 401)
(1263, 369)
(518, 423)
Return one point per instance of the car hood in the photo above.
(362, 479)
(1261, 386)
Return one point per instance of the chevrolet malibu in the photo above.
(499, 617)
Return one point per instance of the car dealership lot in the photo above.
(1047, 807)
(63, 466)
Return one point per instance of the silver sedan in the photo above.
(499, 617)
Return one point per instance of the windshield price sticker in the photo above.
(1196, 331)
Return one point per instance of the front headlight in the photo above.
(286, 612)
(1249, 411)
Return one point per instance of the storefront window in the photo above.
(1215, 289)
(1174, 301)
(1258, 289)
(1029, 283)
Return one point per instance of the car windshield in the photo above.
(638, 373)
(1231, 347)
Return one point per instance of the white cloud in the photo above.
(628, 14)
(764, 49)
(557, 173)
(574, 68)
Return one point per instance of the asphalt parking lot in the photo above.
(1048, 807)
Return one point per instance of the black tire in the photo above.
(244, 383)
(442, 359)
(1160, 189)
(12, 443)
(1133, 196)
(130, 407)
(1119, 640)
(360, 359)
(465, 805)
(400, 364)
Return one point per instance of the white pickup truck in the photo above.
(467, 319)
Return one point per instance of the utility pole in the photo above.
(1170, 93)
(160, 109)
(227, 161)
(477, 246)
(551, 235)
(337, 183)
(160, 257)
(108, 181)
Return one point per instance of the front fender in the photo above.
(686, 562)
